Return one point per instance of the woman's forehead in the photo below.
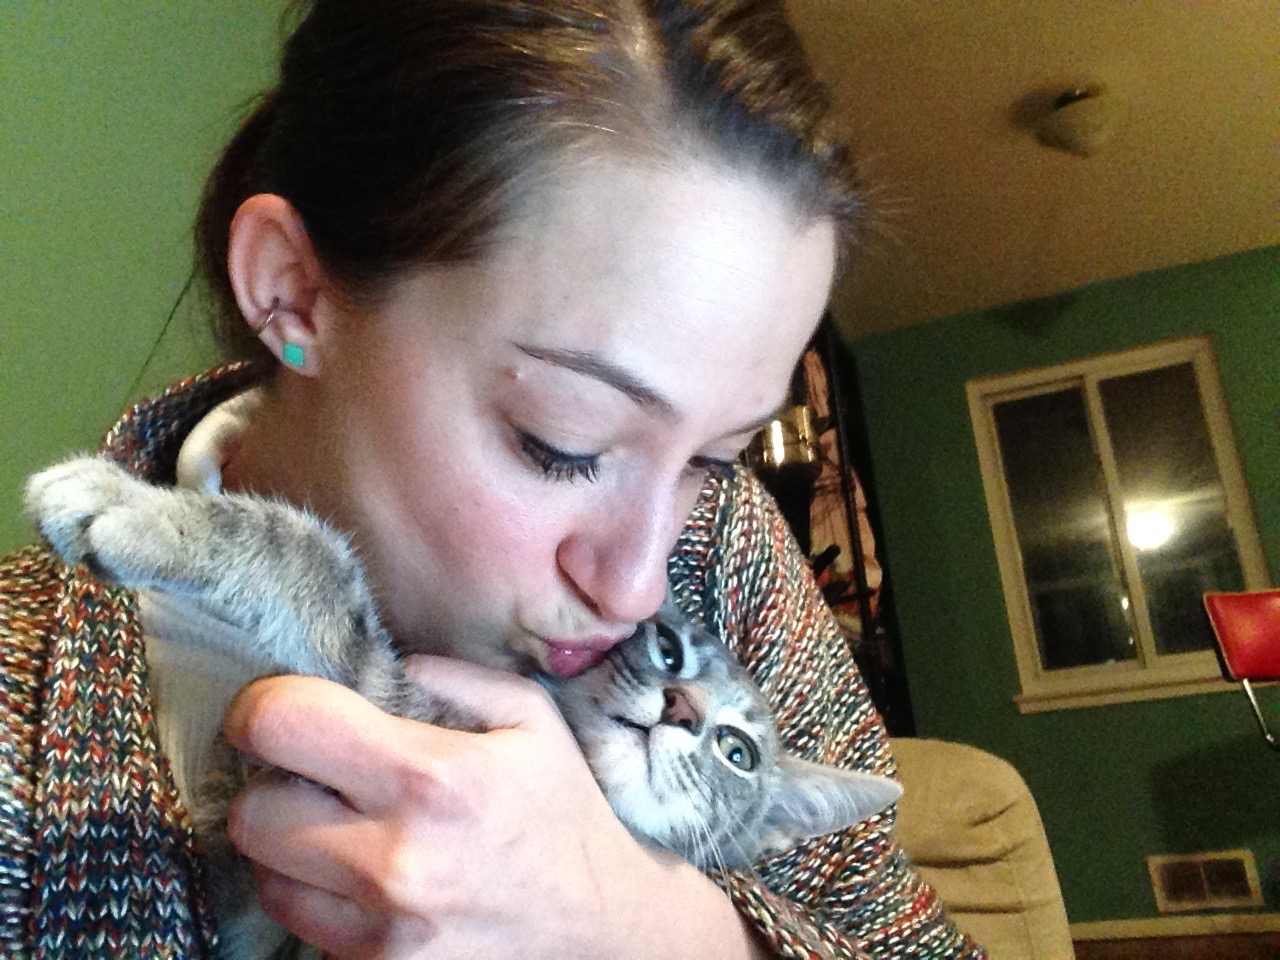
(679, 247)
(664, 273)
(682, 195)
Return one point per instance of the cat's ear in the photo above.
(810, 799)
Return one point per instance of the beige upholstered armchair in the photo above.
(971, 825)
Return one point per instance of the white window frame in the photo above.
(1151, 675)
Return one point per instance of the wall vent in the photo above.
(1205, 881)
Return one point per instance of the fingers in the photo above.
(340, 928)
(427, 823)
(314, 728)
(336, 925)
(498, 700)
(298, 829)
(333, 736)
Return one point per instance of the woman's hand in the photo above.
(443, 844)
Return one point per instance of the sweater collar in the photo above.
(148, 438)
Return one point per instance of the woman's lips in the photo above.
(568, 658)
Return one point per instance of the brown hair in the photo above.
(407, 131)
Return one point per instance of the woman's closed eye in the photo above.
(711, 467)
(557, 464)
(563, 465)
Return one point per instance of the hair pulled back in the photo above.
(408, 131)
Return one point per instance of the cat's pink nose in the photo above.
(679, 709)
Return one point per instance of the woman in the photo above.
(516, 281)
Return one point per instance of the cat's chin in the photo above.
(633, 766)
(618, 751)
(632, 744)
(640, 731)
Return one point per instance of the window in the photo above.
(1116, 501)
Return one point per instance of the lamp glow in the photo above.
(777, 443)
(1149, 529)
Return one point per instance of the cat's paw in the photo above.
(66, 500)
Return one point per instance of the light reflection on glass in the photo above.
(1148, 529)
(1058, 495)
(1165, 461)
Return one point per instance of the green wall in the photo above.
(1114, 783)
(112, 114)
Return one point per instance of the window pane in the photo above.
(1059, 512)
(1173, 500)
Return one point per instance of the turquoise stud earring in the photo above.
(293, 355)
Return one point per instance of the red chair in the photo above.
(1247, 628)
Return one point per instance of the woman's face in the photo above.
(516, 443)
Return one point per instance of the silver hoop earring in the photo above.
(270, 318)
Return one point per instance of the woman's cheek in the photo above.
(501, 543)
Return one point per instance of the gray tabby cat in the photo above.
(679, 738)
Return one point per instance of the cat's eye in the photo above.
(736, 747)
(670, 652)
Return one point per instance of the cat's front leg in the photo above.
(287, 580)
(133, 533)
(87, 505)
(139, 535)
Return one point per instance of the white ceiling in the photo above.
(970, 211)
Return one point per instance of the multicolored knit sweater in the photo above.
(97, 855)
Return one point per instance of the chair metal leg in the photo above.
(1267, 735)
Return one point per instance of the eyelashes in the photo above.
(561, 465)
(557, 464)
(711, 467)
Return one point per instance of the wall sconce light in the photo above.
(786, 442)
(785, 457)
(1080, 120)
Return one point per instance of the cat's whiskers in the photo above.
(712, 847)
(730, 819)
(694, 828)
(664, 776)
(686, 775)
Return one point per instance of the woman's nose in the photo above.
(618, 565)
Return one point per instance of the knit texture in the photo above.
(97, 853)
(851, 894)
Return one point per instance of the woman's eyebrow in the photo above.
(598, 368)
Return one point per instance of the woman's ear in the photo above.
(277, 280)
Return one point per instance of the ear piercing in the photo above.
(291, 353)
(270, 317)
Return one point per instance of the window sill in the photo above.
(1097, 688)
